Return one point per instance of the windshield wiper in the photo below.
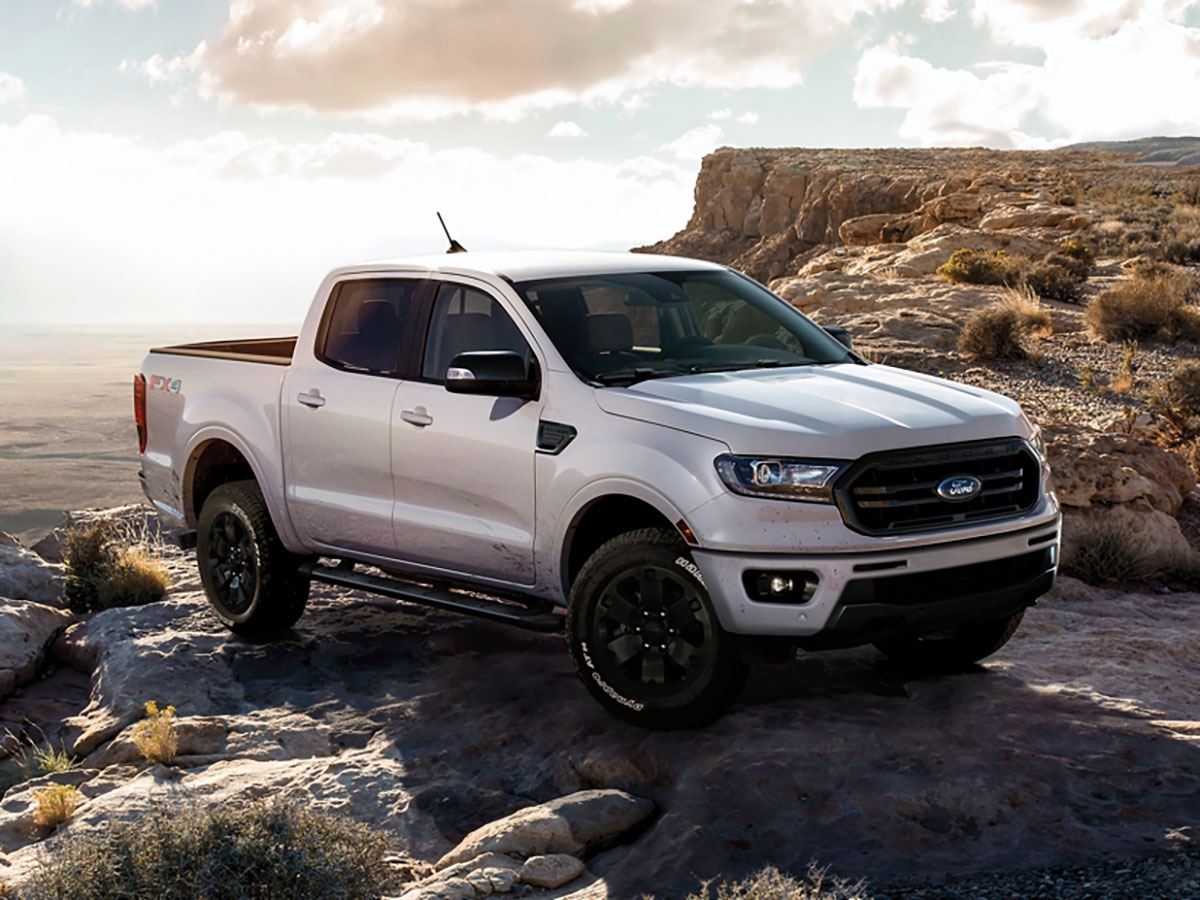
(640, 373)
(733, 367)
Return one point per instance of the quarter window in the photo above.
(465, 319)
(367, 322)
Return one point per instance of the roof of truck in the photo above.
(528, 265)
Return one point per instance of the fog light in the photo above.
(780, 587)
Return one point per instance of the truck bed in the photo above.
(272, 351)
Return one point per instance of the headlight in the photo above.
(1038, 443)
(779, 479)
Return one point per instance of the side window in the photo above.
(466, 319)
(366, 324)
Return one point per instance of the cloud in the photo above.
(750, 117)
(950, 106)
(937, 10)
(696, 143)
(720, 115)
(127, 4)
(395, 59)
(12, 90)
(160, 70)
(278, 214)
(566, 130)
(1113, 68)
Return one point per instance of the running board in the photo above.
(509, 614)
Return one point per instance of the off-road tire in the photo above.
(646, 580)
(252, 581)
(955, 650)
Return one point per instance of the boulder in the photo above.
(26, 629)
(26, 576)
(577, 824)
(550, 871)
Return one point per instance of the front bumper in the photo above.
(863, 596)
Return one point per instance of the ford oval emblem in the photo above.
(959, 487)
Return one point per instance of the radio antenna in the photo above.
(455, 246)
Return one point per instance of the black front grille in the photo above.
(896, 491)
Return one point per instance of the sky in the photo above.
(209, 160)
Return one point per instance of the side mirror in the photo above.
(841, 335)
(495, 373)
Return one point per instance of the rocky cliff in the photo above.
(769, 211)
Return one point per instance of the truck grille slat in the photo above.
(896, 491)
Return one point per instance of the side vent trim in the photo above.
(553, 437)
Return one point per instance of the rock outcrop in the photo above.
(768, 212)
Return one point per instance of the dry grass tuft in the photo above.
(1035, 318)
(258, 853)
(35, 760)
(102, 573)
(55, 804)
(1152, 306)
(156, 736)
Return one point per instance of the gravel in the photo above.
(1176, 877)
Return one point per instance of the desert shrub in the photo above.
(55, 804)
(102, 574)
(155, 736)
(1148, 307)
(968, 266)
(1123, 383)
(1189, 192)
(1176, 401)
(993, 332)
(1052, 281)
(1078, 250)
(1106, 552)
(262, 852)
(1182, 252)
(771, 884)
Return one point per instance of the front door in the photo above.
(463, 465)
(337, 412)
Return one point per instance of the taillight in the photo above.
(139, 409)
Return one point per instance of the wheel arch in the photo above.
(218, 457)
(603, 517)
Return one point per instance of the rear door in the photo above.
(462, 464)
(338, 406)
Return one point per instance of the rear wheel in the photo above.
(954, 650)
(252, 582)
(644, 636)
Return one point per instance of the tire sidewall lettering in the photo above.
(635, 705)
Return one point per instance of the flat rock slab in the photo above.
(1076, 743)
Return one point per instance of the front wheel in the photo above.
(253, 583)
(953, 650)
(644, 636)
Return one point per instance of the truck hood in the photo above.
(839, 411)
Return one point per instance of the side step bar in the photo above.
(509, 614)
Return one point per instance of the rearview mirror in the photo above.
(841, 335)
(494, 373)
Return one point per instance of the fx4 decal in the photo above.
(163, 383)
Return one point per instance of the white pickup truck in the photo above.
(700, 476)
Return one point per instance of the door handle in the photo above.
(417, 416)
(313, 398)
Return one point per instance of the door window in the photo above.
(466, 319)
(367, 323)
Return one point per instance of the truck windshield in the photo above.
(627, 327)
